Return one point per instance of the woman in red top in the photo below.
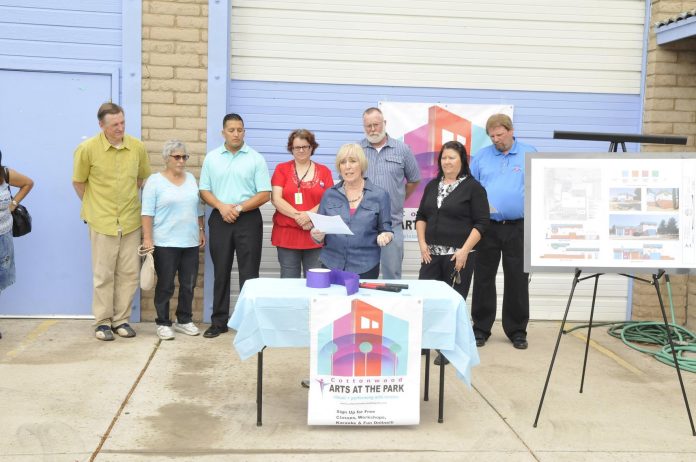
(297, 189)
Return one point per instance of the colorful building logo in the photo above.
(426, 141)
(364, 342)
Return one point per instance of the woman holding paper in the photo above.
(298, 186)
(365, 208)
(452, 217)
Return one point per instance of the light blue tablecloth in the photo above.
(275, 313)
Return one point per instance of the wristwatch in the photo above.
(15, 203)
(239, 208)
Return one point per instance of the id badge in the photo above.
(298, 198)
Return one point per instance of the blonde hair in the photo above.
(351, 150)
(499, 120)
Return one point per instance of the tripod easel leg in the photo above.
(589, 332)
(656, 283)
(558, 341)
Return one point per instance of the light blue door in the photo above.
(43, 117)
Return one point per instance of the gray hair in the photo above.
(172, 146)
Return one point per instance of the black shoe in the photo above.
(480, 340)
(214, 331)
(520, 343)
(441, 360)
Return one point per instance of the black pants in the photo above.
(242, 237)
(441, 267)
(508, 240)
(169, 261)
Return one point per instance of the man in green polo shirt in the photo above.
(108, 172)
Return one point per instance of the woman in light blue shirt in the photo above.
(172, 219)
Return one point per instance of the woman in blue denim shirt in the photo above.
(7, 206)
(365, 208)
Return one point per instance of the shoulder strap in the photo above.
(6, 173)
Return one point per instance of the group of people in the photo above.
(468, 217)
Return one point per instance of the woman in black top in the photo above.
(452, 217)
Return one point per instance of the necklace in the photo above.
(297, 177)
(356, 199)
(352, 201)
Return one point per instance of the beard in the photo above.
(377, 137)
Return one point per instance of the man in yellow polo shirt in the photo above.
(108, 172)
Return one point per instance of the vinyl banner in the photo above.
(425, 127)
(365, 361)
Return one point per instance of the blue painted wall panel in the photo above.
(272, 109)
(66, 30)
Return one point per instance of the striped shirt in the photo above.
(388, 169)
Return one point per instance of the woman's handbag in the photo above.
(147, 271)
(21, 220)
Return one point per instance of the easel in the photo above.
(655, 282)
(615, 140)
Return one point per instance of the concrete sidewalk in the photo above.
(65, 396)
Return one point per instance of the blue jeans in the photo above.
(393, 255)
(294, 263)
(7, 264)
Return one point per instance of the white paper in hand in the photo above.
(329, 224)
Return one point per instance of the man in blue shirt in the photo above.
(500, 169)
(235, 183)
(392, 166)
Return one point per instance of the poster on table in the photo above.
(365, 361)
(610, 212)
(425, 127)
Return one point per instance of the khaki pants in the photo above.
(115, 269)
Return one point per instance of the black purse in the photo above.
(21, 220)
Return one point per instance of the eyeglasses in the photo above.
(179, 157)
(302, 148)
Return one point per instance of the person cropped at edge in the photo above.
(108, 171)
(173, 225)
(500, 170)
(365, 208)
(7, 206)
(392, 166)
(235, 183)
(298, 186)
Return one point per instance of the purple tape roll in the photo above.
(319, 278)
(346, 278)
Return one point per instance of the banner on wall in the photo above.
(425, 127)
(365, 361)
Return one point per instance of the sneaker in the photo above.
(189, 328)
(104, 333)
(124, 330)
(165, 333)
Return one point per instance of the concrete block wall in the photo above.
(174, 97)
(670, 109)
